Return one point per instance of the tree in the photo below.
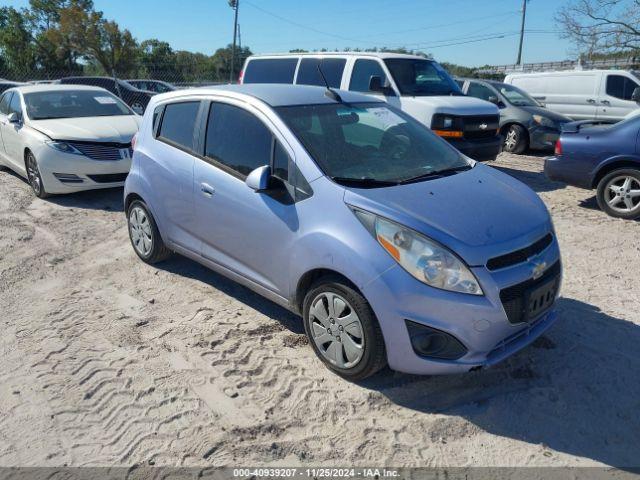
(601, 25)
(16, 43)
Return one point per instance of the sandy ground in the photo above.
(108, 361)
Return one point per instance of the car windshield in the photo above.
(517, 97)
(416, 77)
(73, 104)
(370, 145)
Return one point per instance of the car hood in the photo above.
(119, 129)
(556, 117)
(455, 105)
(479, 213)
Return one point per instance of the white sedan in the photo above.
(66, 138)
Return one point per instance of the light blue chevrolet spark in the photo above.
(393, 247)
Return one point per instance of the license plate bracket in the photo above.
(539, 299)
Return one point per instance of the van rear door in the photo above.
(615, 102)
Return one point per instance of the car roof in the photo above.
(275, 95)
(47, 87)
(342, 54)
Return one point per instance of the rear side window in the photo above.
(237, 139)
(621, 87)
(4, 103)
(178, 123)
(332, 69)
(270, 70)
(363, 70)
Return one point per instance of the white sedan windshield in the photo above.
(73, 104)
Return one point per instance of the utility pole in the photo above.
(235, 4)
(524, 15)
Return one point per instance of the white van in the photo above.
(414, 84)
(608, 95)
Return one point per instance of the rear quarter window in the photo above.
(270, 70)
(332, 69)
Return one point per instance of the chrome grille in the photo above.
(104, 151)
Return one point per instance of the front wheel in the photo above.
(137, 107)
(34, 177)
(516, 140)
(144, 234)
(343, 330)
(619, 193)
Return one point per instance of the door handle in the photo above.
(591, 100)
(606, 102)
(207, 189)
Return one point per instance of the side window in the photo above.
(157, 115)
(363, 70)
(237, 139)
(4, 103)
(332, 69)
(286, 170)
(15, 106)
(480, 91)
(270, 70)
(620, 86)
(178, 123)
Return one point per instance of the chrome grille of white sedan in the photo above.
(104, 151)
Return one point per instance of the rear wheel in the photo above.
(343, 330)
(619, 193)
(516, 140)
(34, 177)
(144, 234)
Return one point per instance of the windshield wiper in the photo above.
(364, 182)
(436, 174)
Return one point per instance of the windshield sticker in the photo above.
(105, 100)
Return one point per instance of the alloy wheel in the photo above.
(141, 231)
(33, 174)
(511, 140)
(138, 108)
(336, 330)
(622, 193)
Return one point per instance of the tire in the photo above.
(516, 140)
(619, 193)
(33, 176)
(144, 235)
(348, 340)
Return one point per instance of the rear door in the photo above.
(615, 102)
(572, 94)
(171, 170)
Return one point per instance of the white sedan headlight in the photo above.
(63, 147)
(426, 260)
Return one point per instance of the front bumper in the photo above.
(543, 138)
(67, 173)
(479, 149)
(478, 322)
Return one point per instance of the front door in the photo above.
(615, 102)
(11, 135)
(247, 232)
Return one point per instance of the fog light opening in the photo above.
(432, 343)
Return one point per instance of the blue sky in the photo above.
(448, 29)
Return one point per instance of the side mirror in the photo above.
(493, 99)
(258, 180)
(635, 96)
(376, 85)
(14, 117)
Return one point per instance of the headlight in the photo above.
(426, 260)
(447, 122)
(544, 121)
(63, 147)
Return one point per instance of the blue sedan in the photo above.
(602, 157)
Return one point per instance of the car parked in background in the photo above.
(137, 99)
(606, 95)
(7, 84)
(602, 157)
(524, 123)
(414, 84)
(431, 262)
(66, 138)
(157, 86)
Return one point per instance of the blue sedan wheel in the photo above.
(619, 193)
